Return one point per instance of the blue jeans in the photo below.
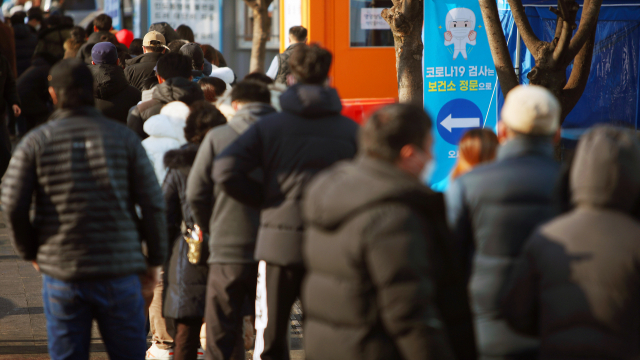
(116, 304)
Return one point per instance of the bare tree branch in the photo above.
(579, 75)
(588, 21)
(498, 45)
(528, 36)
(563, 42)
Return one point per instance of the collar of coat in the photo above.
(82, 111)
(523, 145)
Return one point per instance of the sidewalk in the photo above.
(23, 333)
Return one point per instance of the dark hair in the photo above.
(155, 49)
(78, 35)
(298, 32)
(109, 38)
(135, 48)
(102, 22)
(174, 65)
(475, 147)
(54, 20)
(259, 77)
(35, 13)
(210, 54)
(212, 87)
(18, 18)
(202, 118)
(175, 45)
(310, 64)
(185, 33)
(67, 20)
(74, 97)
(391, 128)
(251, 91)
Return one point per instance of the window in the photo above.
(368, 28)
(244, 25)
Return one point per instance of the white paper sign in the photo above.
(202, 16)
(370, 19)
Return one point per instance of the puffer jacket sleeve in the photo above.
(172, 201)
(234, 164)
(10, 90)
(146, 193)
(134, 122)
(459, 220)
(519, 297)
(200, 184)
(396, 256)
(17, 191)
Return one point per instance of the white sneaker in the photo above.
(200, 353)
(158, 354)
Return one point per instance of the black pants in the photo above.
(186, 337)
(278, 288)
(228, 286)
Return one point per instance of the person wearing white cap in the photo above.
(493, 209)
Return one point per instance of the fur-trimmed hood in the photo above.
(181, 158)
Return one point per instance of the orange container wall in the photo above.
(357, 73)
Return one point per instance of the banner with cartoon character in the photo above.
(459, 79)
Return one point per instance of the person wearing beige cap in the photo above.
(494, 208)
(140, 68)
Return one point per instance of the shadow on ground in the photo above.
(7, 349)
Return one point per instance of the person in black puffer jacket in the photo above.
(185, 283)
(33, 88)
(113, 95)
(140, 68)
(84, 176)
(174, 75)
(51, 40)
(26, 41)
(290, 147)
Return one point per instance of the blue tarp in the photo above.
(612, 93)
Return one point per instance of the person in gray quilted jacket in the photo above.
(84, 175)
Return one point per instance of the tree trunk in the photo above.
(551, 59)
(406, 18)
(261, 30)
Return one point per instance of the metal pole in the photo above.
(518, 52)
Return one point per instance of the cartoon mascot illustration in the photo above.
(460, 25)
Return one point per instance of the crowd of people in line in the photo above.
(163, 191)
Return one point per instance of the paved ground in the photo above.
(23, 334)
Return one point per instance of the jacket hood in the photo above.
(181, 158)
(178, 89)
(94, 38)
(166, 30)
(352, 186)
(108, 80)
(248, 115)
(54, 31)
(606, 169)
(163, 126)
(21, 31)
(311, 101)
(148, 57)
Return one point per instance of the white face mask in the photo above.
(427, 171)
(460, 32)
